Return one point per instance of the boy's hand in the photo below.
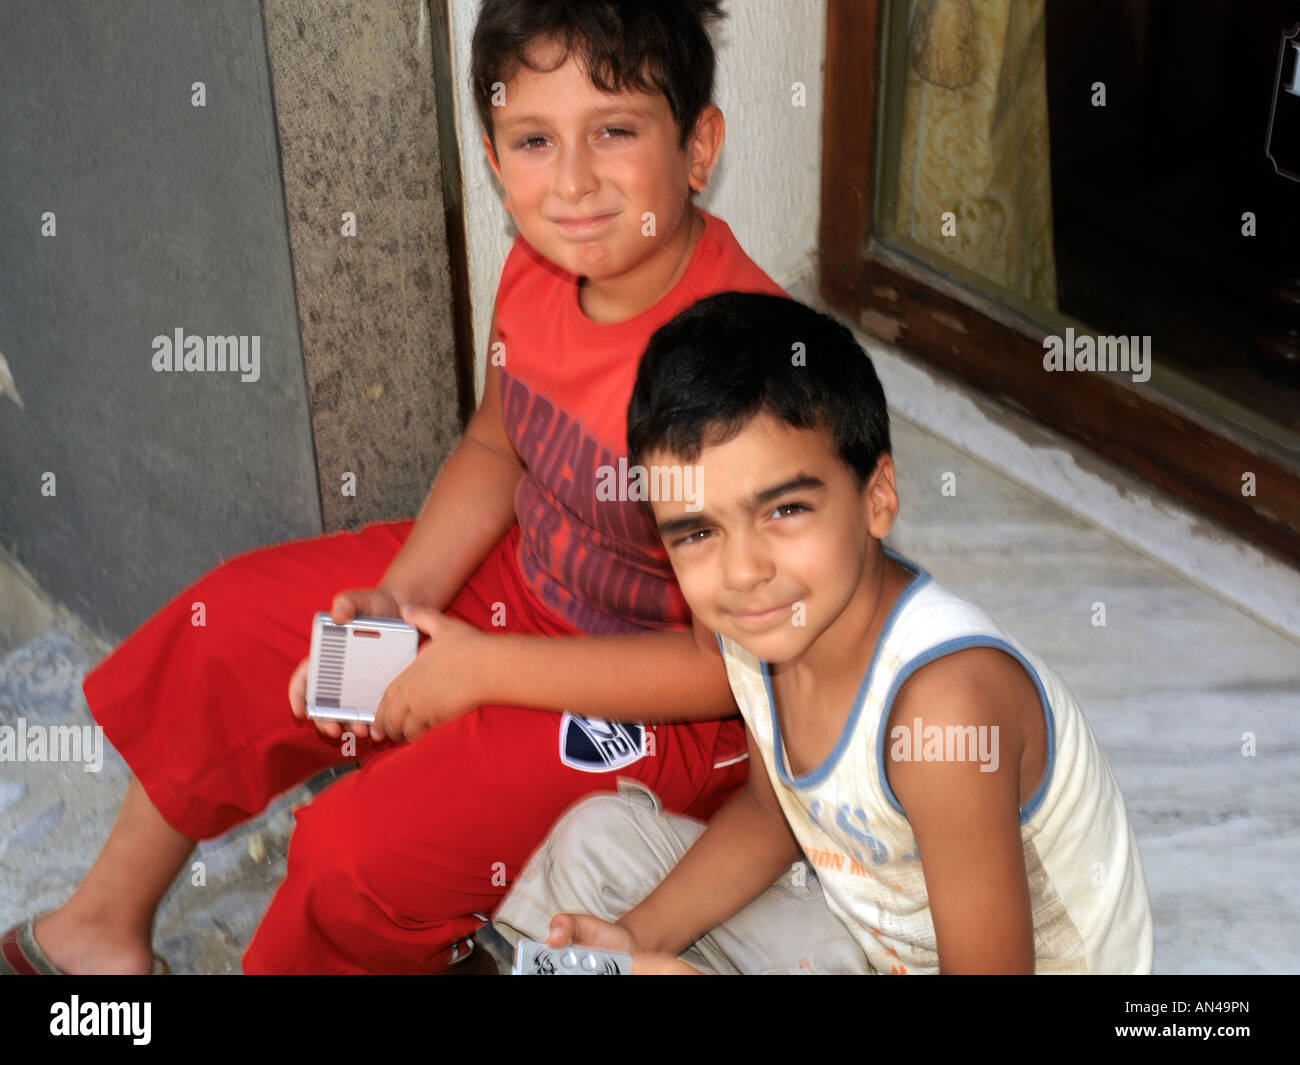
(445, 681)
(365, 603)
(587, 931)
(356, 602)
(583, 930)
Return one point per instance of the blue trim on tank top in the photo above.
(949, 647)
(815, 776)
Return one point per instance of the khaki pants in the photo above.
(608, 852)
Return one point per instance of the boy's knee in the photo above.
(598, 833)
(337, 855)
(228, 591)
(589, 825)
(602, 857)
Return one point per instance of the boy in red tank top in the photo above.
(560, 645)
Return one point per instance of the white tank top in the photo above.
(1087, 891)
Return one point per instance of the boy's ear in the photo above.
(495, 164)
(880, 498)
(705, 145)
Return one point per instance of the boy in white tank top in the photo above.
(939, 777)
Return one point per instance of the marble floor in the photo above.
(1172, 684)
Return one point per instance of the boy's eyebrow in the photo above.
(795, 484)
(598, 113)
(690, 522)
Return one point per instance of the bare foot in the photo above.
(87, 947)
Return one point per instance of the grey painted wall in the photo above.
(168, 216)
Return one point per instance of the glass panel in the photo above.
(1101, 168)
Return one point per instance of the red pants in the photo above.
(387, 867)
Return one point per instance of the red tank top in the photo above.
(565, 385)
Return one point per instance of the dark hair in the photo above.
(636, 45)
(707, 373)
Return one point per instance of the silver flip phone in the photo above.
(352, 664)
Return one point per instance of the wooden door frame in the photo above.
(997, 350)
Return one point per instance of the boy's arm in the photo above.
(746, 846)
(967, 821)
(658, 677)
(469, 507)
(670, 676)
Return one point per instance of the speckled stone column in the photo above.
(358, 126)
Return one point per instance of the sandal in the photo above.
(21, 955)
